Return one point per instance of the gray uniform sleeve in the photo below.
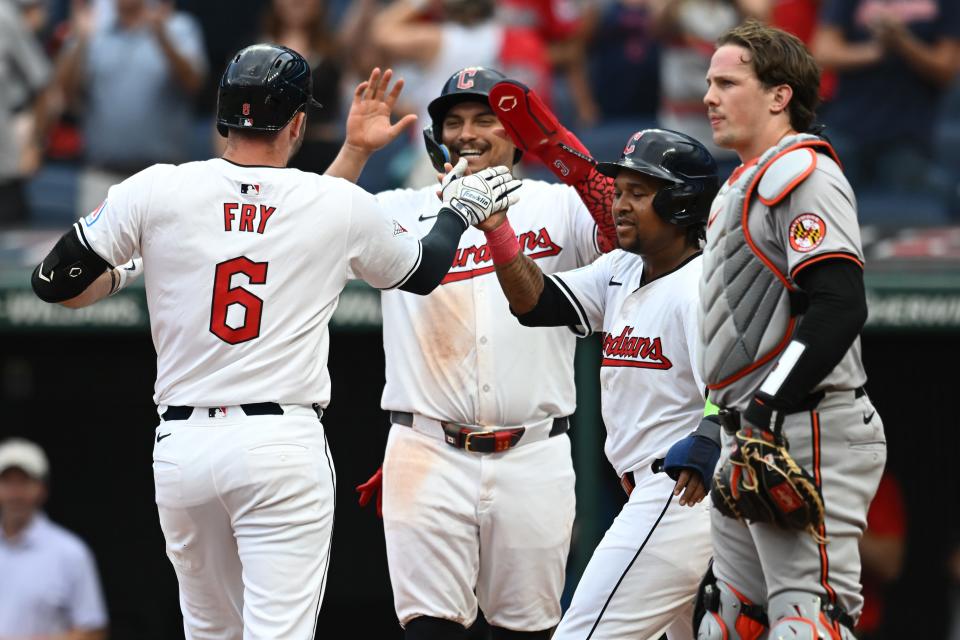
(818, 220)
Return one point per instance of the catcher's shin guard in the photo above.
(798, 615)
(723, 613)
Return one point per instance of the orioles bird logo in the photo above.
(807, 231)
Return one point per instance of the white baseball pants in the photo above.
(467, 529)
(246, 507)
(642, 579)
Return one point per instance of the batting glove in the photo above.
(476, 197)
(373, 486)
(126, 273)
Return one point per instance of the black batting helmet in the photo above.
(262, 88)
(471, 84)
(679, 160)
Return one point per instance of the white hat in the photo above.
(25, 455)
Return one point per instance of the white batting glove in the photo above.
(476, 197)
(127, 273)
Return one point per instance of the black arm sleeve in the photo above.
(69, 268)
(837, 312)
(439, 248)
(553, 309)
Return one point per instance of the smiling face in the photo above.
(640, 229)
(471, 130)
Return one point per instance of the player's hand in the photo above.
(368, 122)
(478, 196)
(373, 486)
(691, 485)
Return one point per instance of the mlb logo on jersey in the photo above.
(217, 412)
(251, 190)
(94, 215)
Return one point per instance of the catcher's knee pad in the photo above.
(427, 628)
(799, 615)
(499, 633)
(723, 613)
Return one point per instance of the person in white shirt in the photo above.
(49, 585)
(642, 579)
(244, 263)
(478, 482)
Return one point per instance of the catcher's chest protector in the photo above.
(745, 293)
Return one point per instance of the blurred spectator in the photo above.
(301, 25)
(799, 17)
(559, 26)
(135, 78)
(49, 586)
(425, 52)
(894, 63)
(24, 73)
(688, 30)
(624, 58)
(881, 553)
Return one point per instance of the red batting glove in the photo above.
(372, 486)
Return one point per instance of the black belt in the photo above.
(250, 409)
(730, 418)
(479, 440)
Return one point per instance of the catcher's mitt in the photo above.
(761, 482)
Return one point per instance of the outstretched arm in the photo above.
(535, 129)
(368, 124)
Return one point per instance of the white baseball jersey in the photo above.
(458, 354)
(243, 270)
(650, 390)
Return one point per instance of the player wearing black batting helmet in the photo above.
(679, 160)
(262, 88)
(466, 85)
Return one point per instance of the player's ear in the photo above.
(298, 125)
(780, 98)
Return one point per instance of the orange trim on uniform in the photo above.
(824, 256)
(824, 559)
(744, 219)
(721, 624)
(786, 190)
(762, 361)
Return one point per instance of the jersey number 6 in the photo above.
(224, 296)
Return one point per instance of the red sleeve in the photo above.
(887, 515)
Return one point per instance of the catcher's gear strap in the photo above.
(723, 613)
(553, 309)
(793, 614)
(754, 305)
(533, 127)
(837, 313)
(436, 254)
(70, 267)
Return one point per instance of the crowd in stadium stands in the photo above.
(95, 90)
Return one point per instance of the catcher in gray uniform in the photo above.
(782, 306)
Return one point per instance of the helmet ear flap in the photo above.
(673, 201)
(439, 153)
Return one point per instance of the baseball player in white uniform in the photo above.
(478, 482)
(783, 303)
(643, 576)
(244, 261)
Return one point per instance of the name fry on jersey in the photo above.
(248, 213)
(536, 244)
(633, 351)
